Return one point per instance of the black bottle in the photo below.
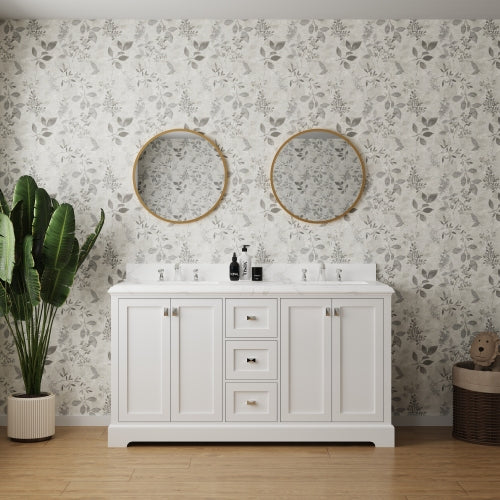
(234, 269)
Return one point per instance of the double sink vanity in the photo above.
(304, 355)
(278, 360)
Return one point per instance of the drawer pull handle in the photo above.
(327, 312)
(251, 360)
(251, 402)
(165, 311)
(174, 311)
(336, 311)
(251, 318)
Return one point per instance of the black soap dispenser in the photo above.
(234, 269)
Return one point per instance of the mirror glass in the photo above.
(317, 175)
(180, 175)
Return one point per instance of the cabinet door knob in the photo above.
(328, 312)
(251, 402)
(251, 360)
(251, 318)
(336, 311)
(174, 311)
(165, 311)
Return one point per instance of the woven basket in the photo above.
(476, 404)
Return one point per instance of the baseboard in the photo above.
(423, 421)
(73, 420)
(88, 421)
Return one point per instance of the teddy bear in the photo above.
(485, 351)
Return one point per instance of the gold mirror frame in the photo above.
(135, 175)
(353, 204)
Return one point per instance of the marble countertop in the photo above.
(249, 287)
(279, 279)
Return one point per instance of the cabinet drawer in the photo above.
(251, 402)
(251, 359)
(251, 318)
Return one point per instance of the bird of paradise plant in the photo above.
(39, 257)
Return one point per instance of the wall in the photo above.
(420, 99)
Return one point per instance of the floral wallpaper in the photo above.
(419, 98)
(317, 178)
(180, 178)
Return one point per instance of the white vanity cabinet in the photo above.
(332, 359)
(251, 362)
(169, 359)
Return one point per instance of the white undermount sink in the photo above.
(257, 283)
(276, 276)
(336, 283)
(188, 282)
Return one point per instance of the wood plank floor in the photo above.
(427, 463)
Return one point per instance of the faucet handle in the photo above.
(304, 274)
(339, 273)
(195, 274)
(161, 276)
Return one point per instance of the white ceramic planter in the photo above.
(31, 419)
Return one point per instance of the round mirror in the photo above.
(180, 176)
(317, 176)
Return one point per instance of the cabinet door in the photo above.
(305, 360)
(196, 359)
(144, 360)
(358, 359)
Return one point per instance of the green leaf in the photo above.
(91, 239)
(41, 218)
(56, 283)
(4, 301)
(31, 277)
(25, 192)
(20, 306)
(59, 237)
(16, 217)
(7, 248)
(4, 206)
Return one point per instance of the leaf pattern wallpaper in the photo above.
(420, 99)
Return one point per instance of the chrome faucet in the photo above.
(322, 271)
(195, 275)
(339, 273)
(161, 276)
(304, 274)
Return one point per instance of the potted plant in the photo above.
(39, 257)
